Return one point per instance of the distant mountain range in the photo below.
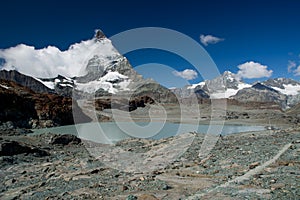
(283, 91)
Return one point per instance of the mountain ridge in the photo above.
(284, 91)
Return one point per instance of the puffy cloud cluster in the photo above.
(51, 61)
(209, 39)
(292, 67)
(187, 74)
(252, 69)
(297, 71)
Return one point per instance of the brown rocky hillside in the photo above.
(26, 108)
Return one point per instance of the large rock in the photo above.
(10, 148)
(65, 139)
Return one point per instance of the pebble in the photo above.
(131, 197)
(124, 187)
(166, 187)
(147, 197)
(296, 142)
(253, 165)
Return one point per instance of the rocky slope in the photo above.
(26, 108)
(254, 165)
(294, 110)
(26, 81)
(261, 93)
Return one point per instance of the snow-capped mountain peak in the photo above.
(59, 81)
(223, 86)
(193, 86)
(99, 34)
(113, 77)
(229, 76)
(284, 85)
(87, 66)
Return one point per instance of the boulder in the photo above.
(65, 139)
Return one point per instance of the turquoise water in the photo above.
(111, 132)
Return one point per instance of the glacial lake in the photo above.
(111, 132)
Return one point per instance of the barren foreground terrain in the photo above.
(253, 165)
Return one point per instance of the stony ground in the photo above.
(255, 165)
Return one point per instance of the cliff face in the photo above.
(26, 108)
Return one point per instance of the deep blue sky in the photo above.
(263, 31)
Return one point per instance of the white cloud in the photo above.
(297, 71)
(252, 69)
(50, 61)
(209, 39)
(187, 74)
(291, 65)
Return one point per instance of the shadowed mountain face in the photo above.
(259, 86)
(281, 82)
(26, 108)
(58, 85)
(24, 80)
(261, 93)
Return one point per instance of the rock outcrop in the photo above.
(10, 148)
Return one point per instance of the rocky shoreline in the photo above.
(240, 166)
